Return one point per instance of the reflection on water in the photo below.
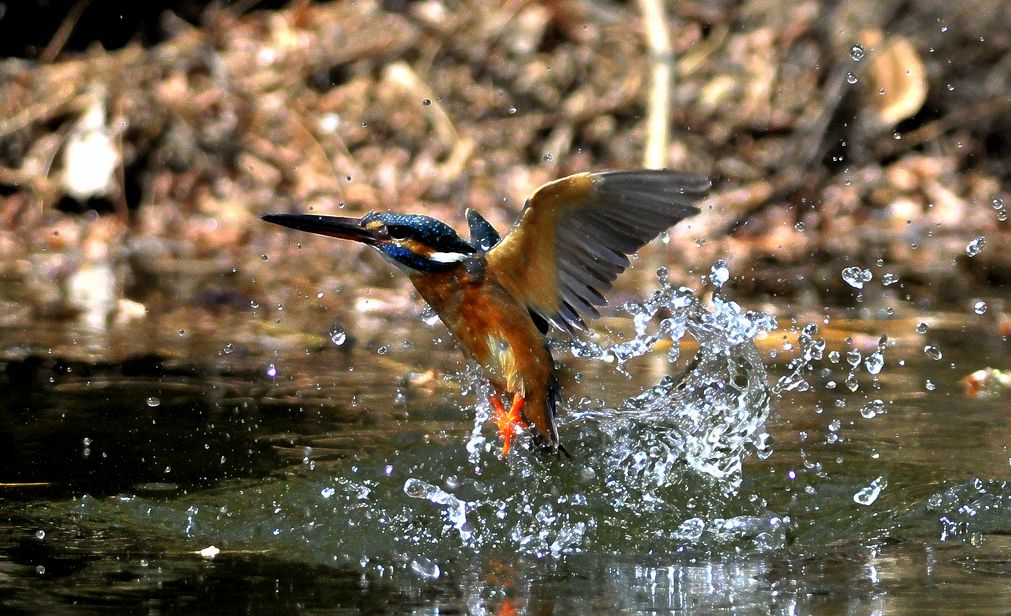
(344, 480)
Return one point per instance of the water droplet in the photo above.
(851, 382)
(929, 385)
(264, 257)
(719, 273)
(851, 78)
(40, 534)
(874, 362)
(425, 568)
(182, 332)
(153, 401)
(429, 316)
(662, 273)
(997, 203)
(338, 336)
(416, 488)
(800, 226)
(763, 445)
(857, 52)
(975, 246)
(383, 350)
(866, 496)
(979, 307)
(228, 348)
(921, 328)
(932, 352)
(889, 279)
(872, 409)
(271, 371)
(690, 531)
(856, 277)
(327, 492)
(548, 158)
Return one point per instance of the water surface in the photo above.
(336, 464)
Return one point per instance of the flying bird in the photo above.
(499, 296)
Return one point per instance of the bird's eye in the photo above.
(398, 233)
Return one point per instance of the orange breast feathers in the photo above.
(497, 332)
(494, 328)
(501, 336)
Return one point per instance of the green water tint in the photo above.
(362, 493)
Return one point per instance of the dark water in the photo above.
(351, 478)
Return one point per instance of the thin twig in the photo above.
(658, 42)
(654, 155)
(40, 111)
(59, 39)
(401, 75)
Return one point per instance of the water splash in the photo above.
(658, 473)
(867, 495)
(456, 509)
(668, 455)
(812, 348)
(706, 416)
(857, 277)
(975, 246)
(970, 510)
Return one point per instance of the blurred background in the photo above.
(860, 152)
(148, 142)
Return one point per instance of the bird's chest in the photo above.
(492, 326)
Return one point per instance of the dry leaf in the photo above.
(897, 78)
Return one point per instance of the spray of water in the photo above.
(660, 472)
(647, 473)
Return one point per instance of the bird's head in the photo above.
(413, 242)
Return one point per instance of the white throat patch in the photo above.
(447, 257)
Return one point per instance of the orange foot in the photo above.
(507, 421)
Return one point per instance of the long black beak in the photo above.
(333, 226)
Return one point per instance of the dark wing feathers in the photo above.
(573, 237)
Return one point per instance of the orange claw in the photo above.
(507, 421)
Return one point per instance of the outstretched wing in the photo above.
(573, 237)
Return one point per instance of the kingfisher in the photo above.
(499, 296)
